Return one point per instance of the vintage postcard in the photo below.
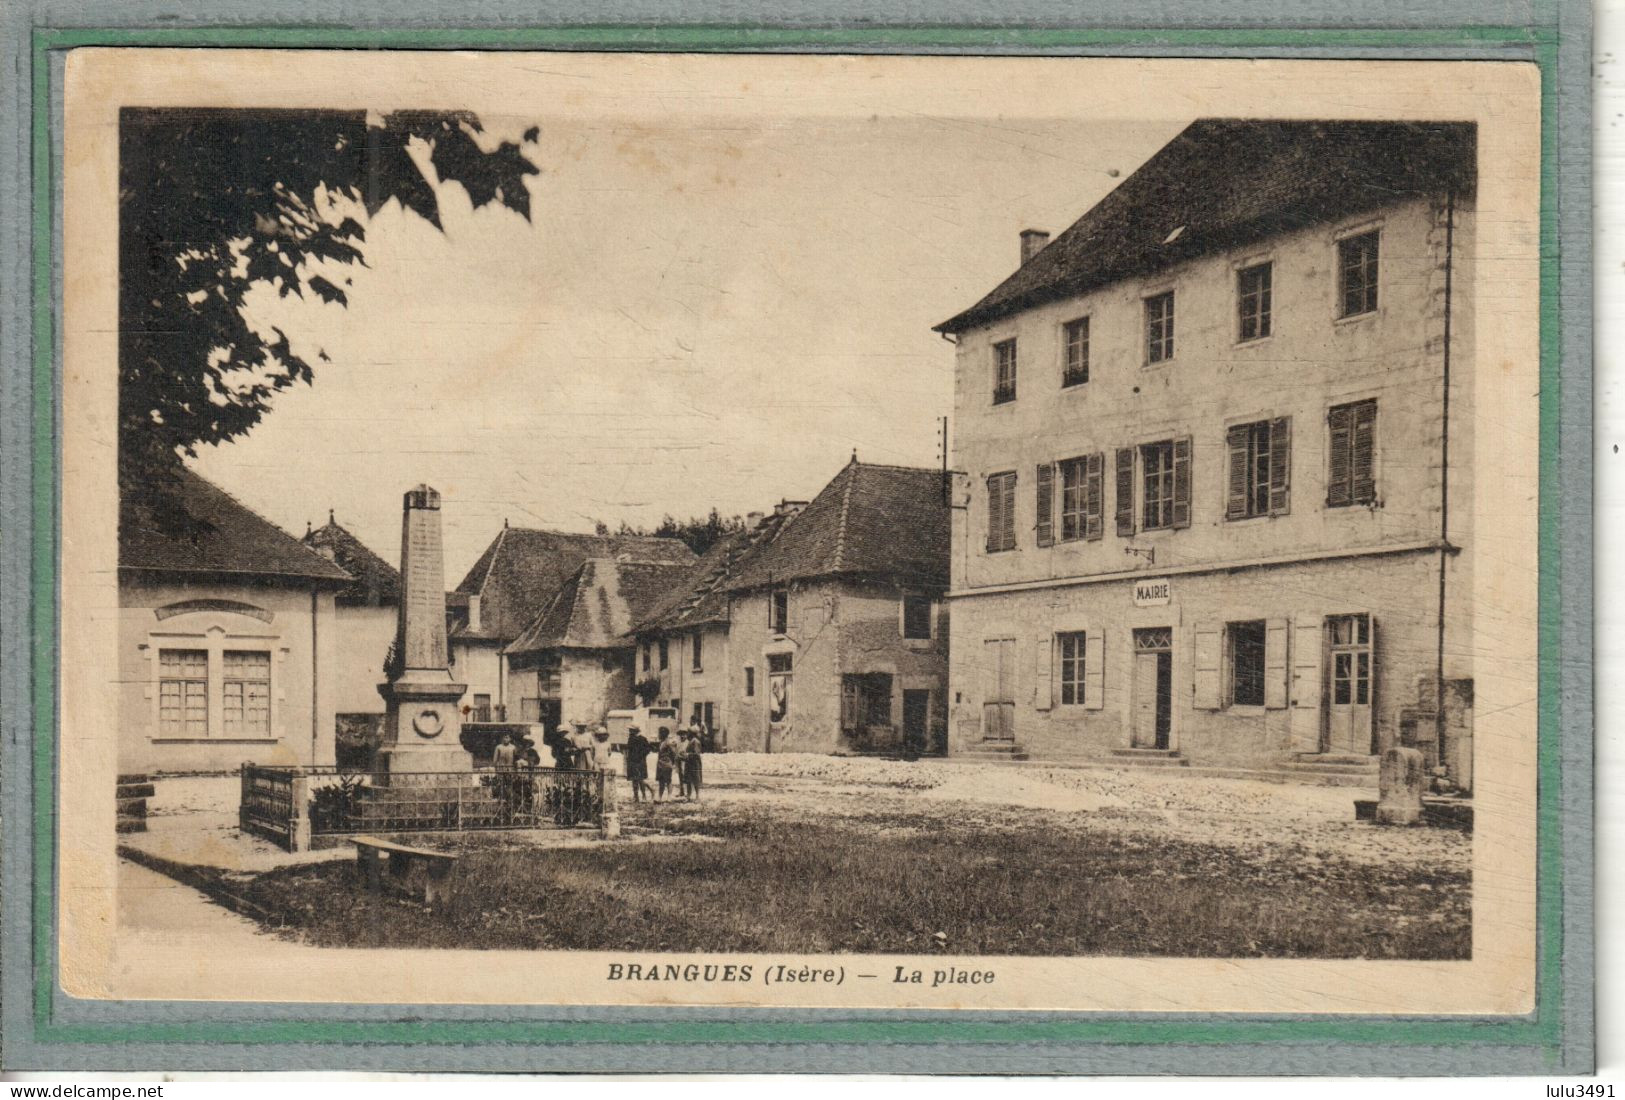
(849, 531)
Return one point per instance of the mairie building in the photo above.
(1213, 446)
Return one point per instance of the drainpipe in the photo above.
(1444, 469)
(315, 674)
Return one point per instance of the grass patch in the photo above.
(896, 883)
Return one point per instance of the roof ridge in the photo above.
(851, 475)
(895, 466)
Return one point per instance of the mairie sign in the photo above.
(1153, 593)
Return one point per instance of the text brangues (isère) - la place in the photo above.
(795, 974)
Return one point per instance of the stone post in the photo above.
(1400, 784)
(299, 826)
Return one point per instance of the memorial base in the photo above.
(423, 727)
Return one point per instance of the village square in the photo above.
(1166, 654)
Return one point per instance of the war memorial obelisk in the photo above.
(422, 725)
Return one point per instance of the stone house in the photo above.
(821, 628)
(1207, 438)
(683, 658)
(366, 612)
(228, 636)
(514, 581)
(576, 656)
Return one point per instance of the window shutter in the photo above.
(1205, 694)
(1340, 423)
(1044, 669)
(1094, 671)
(1280, 465)
(1363, 455)
(1046, 504)
(1235, 504)
(1125, 492)
(849, 705)
(995, 513)
(1275, 667)
(1094, 496)
(1182, 482)
(1308, 656)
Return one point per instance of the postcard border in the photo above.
(1559, 1027)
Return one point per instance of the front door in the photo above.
(916, 719)
(1348, 720)
(551, 713)
(999, 689)
(1153, 688)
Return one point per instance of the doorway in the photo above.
(916, 721)
(1153, 687)
(1348, 718)
(999, 689)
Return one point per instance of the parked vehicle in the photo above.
(647, 719)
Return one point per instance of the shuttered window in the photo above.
(1001, 512)
(1357, 274)
(1157, 479)
(1246, 644)
(1351, 466)
(1081, 497)
(1260, 468)
(1074, 649)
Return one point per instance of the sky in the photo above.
(702, 312)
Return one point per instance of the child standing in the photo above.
(664, 762)
(691, 763)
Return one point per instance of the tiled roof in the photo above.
(701, 597)
(377, 583)
(523, 569)
(598, 604)
(186, 524)
(1225, 183)
(878, 521)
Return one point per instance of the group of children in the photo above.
(680, 754)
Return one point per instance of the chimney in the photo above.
(474, 613)
(789, 507)
(753, 520)
(1032, 240)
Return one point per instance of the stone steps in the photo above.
(995, 751)
(1148, 758)
(132, 794)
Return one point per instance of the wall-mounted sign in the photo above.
(1153, 593)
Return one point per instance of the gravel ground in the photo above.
(1240, 813)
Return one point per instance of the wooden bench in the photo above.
(416, 872)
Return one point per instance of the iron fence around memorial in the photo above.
(266, 806)
(404, 802)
